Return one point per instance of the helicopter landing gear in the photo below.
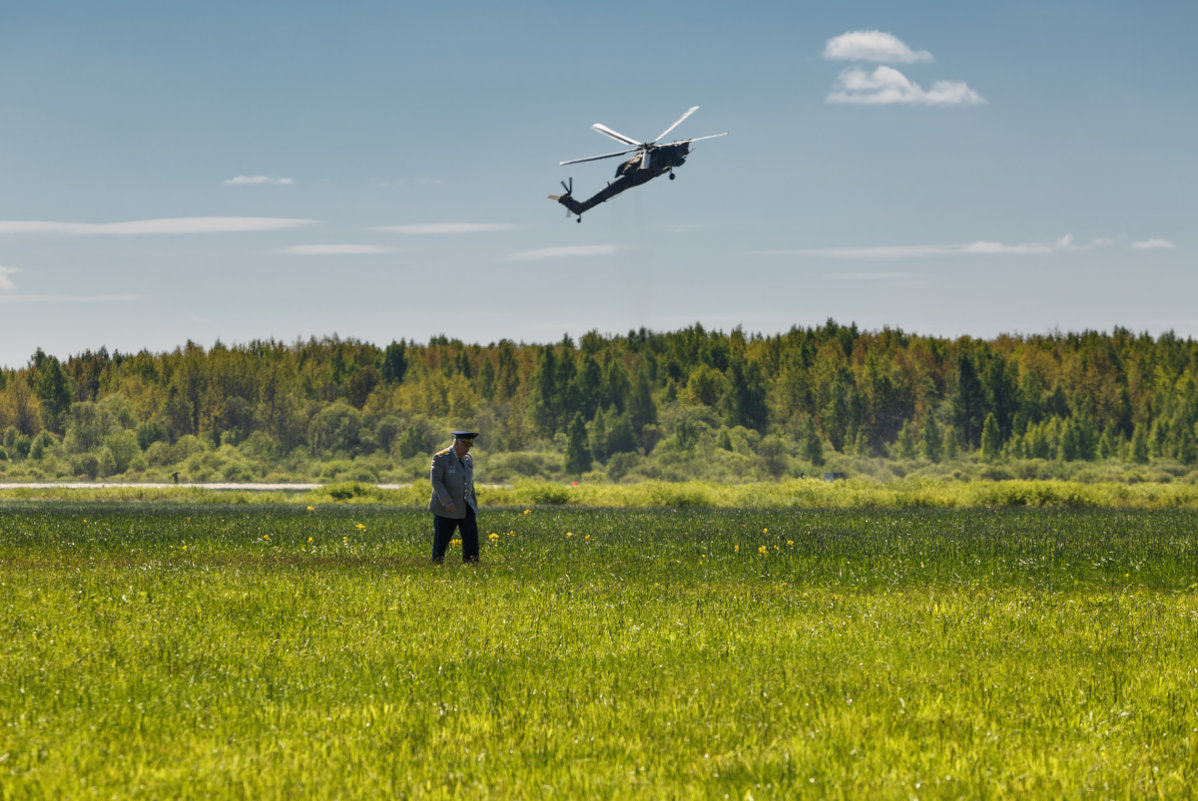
(579, 219)
(672, 176)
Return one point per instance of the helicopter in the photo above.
(651, 161)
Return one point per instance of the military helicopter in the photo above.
(651, 161)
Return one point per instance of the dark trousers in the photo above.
(443, 528)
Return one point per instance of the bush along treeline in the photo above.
(689, 404)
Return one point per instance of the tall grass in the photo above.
(805, 493)
(277, 651)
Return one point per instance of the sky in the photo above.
(237, 171)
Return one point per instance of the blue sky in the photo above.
(379, 170)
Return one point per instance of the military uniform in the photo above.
(452, 479)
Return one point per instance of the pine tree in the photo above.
(933, 443)
(1139, 445)
(578, 455)
(991, 438)
(905, 445)
(950, 443)
(813, 446)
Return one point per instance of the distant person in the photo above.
(453, 502)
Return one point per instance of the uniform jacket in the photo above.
(452, 480)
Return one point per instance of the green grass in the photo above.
(790, 494)
(269, 651)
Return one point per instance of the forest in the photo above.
(830, 400)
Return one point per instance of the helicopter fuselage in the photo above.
(662, 160)
(650, 161)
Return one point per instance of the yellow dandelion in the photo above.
(569, 533)
(762, 550)
(185, 546)
(587, 537)
(345, 539)
(765, 531)
(360, 527)
(309, 539)
(311, 508)
(528, 511)
(455, 542)
(736, 548)
(493, 536)
(790, 542)
(266, 536)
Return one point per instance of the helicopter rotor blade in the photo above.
(597, 158)
(696, 139)
(689, 112)
(645, 159)
(619, 137)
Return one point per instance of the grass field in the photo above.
(280, 651)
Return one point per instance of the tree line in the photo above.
(803, 395)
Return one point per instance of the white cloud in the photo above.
(979, 248)
(69, 298)
(873, 276)
(336, 250)
(448, 228)
(563, 252)
(5, 281)
(258, 180)
(872, 46)
(1153, 244)
(168, 225)
(886, 85)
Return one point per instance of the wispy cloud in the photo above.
(567, 252)
(872, 46)
(873, 276)
(886, 85)
(1153, 244)
(126, 298)
(167, 225)
(448, 228)
(979, 248)
(336, 250)
(6, 282)
(258, 180)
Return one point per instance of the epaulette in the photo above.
(442, 453)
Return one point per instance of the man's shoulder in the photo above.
(442, 454)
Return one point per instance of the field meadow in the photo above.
(299, 649)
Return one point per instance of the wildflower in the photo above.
(569, 533)
(185, 546)
(762, 550)
(765, 531)
(790, 542)
(309, 539)
(345, 539)
(266, 537)
(360, 527)
(736, 548)
(528, 511)
(311, 508)
(493, 536)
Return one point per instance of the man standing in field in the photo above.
(453, 503)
